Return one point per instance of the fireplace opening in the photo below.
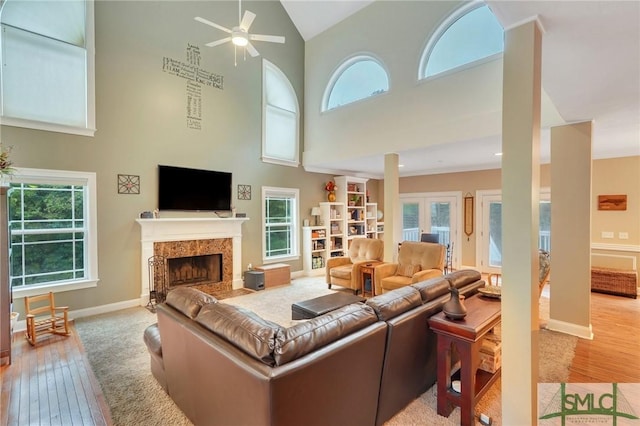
(194, 269)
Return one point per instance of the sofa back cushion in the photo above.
(427, 255)
(432, 288)
(305, 337)
(461, 278)
(366, 249)
(394, 303)
(189, 300)
(242, 328)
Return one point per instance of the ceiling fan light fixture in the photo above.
(239, 38)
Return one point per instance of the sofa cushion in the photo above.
(242, 328)
(343, 272)
(306, 337)
(408, 270)
(189, 300)
(432, 288)
(459, 279)
(393, 303)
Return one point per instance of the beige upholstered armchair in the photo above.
(345, 271)
(417, 262)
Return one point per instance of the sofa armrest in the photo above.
(333, 262)
(383, 271)
(425, 274)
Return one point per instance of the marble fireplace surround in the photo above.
(182, 236)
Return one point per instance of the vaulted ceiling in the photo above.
(591, 71)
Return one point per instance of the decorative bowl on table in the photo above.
(491, 291)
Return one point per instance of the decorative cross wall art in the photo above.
(128, 184)
(196, 77)
(244, 192)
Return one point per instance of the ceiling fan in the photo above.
(239, 35)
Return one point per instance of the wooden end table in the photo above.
(483, 314)
(368, 269)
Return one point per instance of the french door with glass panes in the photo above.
(433, 212)
(489, 236)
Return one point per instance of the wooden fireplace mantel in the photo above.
(186, 229)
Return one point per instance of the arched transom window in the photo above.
(470, 34)
(359, 77)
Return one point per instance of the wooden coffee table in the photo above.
(483, 314)
(321, 305)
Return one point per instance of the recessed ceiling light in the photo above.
(498, 154)
(400, 165)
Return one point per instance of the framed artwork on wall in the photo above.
(244, 192)
(128, 184)
(612, 202)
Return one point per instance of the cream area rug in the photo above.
(120, 361)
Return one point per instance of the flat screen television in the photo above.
(181, 188)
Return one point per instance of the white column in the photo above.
(392, 214)
(570, 304)
(520, 222)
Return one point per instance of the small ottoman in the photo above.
(614, 281)
(312, 308)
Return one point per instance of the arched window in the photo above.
(280, 117)
(357, 78)
(470, 34)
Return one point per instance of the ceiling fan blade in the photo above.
(252, 50)
(247, 20)
(271, 38)
(218, 42)
(212, 24)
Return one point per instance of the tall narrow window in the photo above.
(280, 118)
(280, 216)
(52, 231)
(357, 78)
(47, 65)
(470, 34)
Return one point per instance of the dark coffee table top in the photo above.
(330, 302)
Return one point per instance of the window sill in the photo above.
(268, 260)
(56, 288)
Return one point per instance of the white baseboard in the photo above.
(569, 328)
(298, 274)
(21, 325)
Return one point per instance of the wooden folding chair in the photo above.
(53, 323)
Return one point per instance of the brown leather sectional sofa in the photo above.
(358, 365)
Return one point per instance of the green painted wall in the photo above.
(141, 122)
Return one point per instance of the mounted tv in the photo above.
(181, 188)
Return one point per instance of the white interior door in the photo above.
(489, 241)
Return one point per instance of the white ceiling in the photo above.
(590, 65)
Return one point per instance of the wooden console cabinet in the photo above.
(466, 335)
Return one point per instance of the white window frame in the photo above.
(434, 38)
(335, 76)
(266, 157)
(90, 127)
(62, 177)
(294, 193)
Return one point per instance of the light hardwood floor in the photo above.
(53, 383)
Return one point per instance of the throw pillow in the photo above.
(408, 270)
